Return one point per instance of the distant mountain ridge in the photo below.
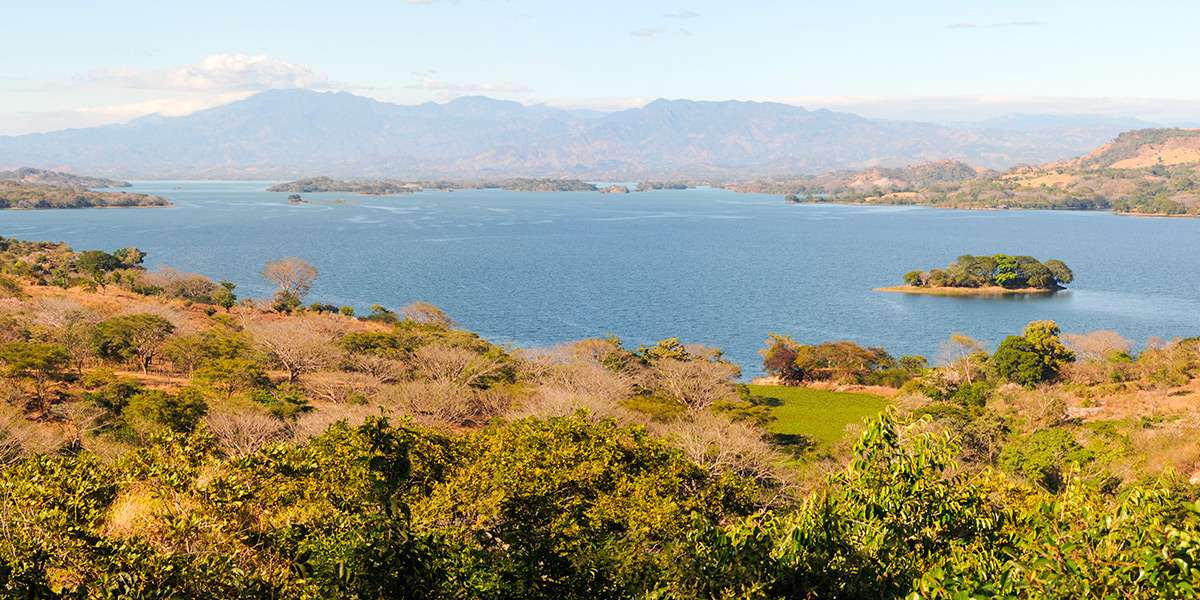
(297, 133)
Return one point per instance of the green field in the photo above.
(818, 416)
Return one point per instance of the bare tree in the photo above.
(962, 356)
(697, 383)
(438, 402)
(341, 388)
(71, 326)
(297, 345)
(724, 446)
(427, 314)
(455, 366)
(243, 432)
(291, 275)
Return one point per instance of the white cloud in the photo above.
(434, 85)
(217, 73)
(1002, 25)
(649, 32)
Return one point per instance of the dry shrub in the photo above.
(1096, 356)
(697, 384)
(453, 367)
(587, 379)
(381, 368)
(298, 345)
(20, 437)
(341, 388)
(150, 512)
(1042, 407)
(436, 402)
(558, 402)
(312, 424)
(243, 431)
(724, 446)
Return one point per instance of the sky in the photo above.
(74, 64)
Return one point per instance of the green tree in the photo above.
(1034, 357)
(132, 338)
(155, 410)
(36, 363)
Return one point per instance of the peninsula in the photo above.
(28, 188)
(996, 275)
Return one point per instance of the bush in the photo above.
(153, 411)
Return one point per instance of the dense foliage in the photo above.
(1000, 270)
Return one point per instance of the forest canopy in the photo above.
(997, 270)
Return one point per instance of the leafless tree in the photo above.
(724, 446)
(341, 388)
(71, 325)
(298, 345)
(696, 383)
(962, 357)
(453, 366)
(426, 313)
(245, 431)
(434, 402)
(292, 275)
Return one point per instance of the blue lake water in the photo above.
(707, 266)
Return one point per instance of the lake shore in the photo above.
(965, 291)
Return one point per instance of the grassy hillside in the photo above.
(820, 417)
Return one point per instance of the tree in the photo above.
(1033, 357)
(293, 277)
(224, 296)
(132, 338)
(36, 362)
(1060, 270)
(130, 257)
(426, 314)
(698, 383)
(97, 264)
(299, 346)
(152, 410)
(963, 356)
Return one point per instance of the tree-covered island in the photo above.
(989, 275)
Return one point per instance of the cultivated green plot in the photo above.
(816, 417)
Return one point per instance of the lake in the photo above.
(704, 265)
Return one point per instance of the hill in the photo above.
(295, 133)
(42, 176)
(1146, 172)
(38, 196)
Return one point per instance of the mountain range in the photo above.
(295, 133)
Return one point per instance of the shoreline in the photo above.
(965, 291)
(169, 205)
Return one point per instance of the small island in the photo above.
(614, 189)
(995, 275)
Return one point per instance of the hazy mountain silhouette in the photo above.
(289, 133)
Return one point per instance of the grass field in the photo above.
(819, 416)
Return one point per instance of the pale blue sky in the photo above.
(87, 62)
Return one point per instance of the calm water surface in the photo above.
(705, 265)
